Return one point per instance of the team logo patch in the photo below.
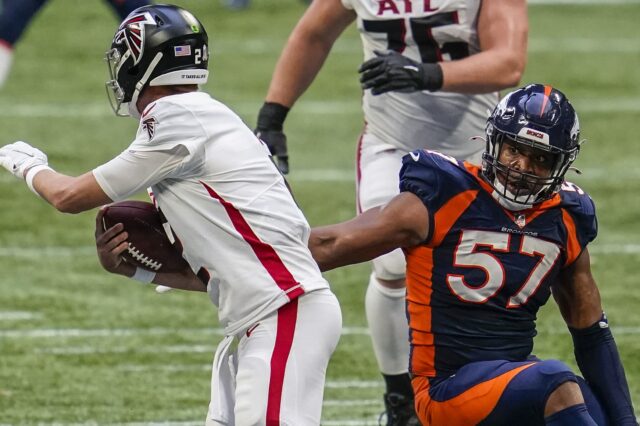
(149, 125)
(131, 33)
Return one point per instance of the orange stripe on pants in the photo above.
(467, 409)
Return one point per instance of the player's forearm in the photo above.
(300, 62)
(502, 32)
(183, 280)
(69, 194)
(597, 356)
(484, 72)
(335, 246)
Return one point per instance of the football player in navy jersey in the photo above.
(15, 16)
(431, 71)
(486, 247)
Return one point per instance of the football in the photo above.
(149, 244)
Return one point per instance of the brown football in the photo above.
(149, 244)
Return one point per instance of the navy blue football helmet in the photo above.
(155, 45)
(539, 117)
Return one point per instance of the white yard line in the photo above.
(582, 45)
(58, 252)
(348, 175)
(133, 332)
(333, 107)
(206, 332)
(19, 316)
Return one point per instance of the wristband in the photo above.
(432, 77)
(272, 116)
(31, 173)
(143, 275)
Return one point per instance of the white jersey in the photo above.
(216, 184)
(446, 31)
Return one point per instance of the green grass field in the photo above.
(78, 346)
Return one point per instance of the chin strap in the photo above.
(505, 202)
(133, 108)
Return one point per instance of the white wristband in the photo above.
(143, 275)
(32, 173)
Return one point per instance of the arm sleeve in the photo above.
(133, 171)
(597, 356)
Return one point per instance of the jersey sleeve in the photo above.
(168, 144)
(133, 171)
(580, 220)
(165, 125)
(434, 178)
(431, 176)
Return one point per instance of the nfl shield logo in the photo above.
(521, 220)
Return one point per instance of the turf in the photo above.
(78, 346)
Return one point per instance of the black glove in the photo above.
(391, 71)
(269, 129)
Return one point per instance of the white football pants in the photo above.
(275, 376)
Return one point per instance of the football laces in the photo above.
(144, 260)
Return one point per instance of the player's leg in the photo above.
(124, 7)
(317, 333)
(592, 402)
(15, 15)
(499, 392)
(566, 407)
(282, 362)
(378, 179)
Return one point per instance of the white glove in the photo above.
(160, 289)
(19, 157)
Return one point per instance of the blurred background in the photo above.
(78, 346)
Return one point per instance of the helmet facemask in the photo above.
(517, 186)
(115, 93)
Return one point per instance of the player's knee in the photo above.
(390, 267)
(564, 390)
(564, 396)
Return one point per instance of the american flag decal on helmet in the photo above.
(131, 32)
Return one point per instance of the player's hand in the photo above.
(391, 71)
(269, 129)
(276, 141)
(110, 245)
(19, 157)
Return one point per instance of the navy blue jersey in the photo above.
(475, 285)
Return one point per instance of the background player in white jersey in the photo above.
(433, 68)
(243, 236)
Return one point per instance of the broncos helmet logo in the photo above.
(131, 33)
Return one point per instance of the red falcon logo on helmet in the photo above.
(131, 32)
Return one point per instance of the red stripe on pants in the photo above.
(287, 316)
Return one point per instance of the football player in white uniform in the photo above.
(434, 69)
(243, 235)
